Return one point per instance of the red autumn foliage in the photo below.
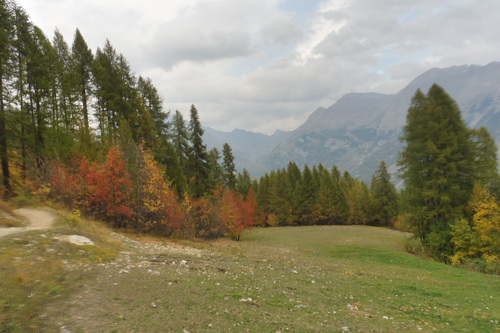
(237, 212)
(103, 190)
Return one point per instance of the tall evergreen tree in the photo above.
(324, 212)
(180, 139)
(215, 169)
(243, 182)
(198, 166)
(228, 166)
(340, 204)
(305, 197)
(385, 197)
(82, 59)
(485, 159)
(436, 165)
(280, 197)
(65, 83)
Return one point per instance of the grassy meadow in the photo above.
(296, 279)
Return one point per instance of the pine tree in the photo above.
(228, 166)
(180, 139)
(198, 166)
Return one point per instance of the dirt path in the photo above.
(37, 219)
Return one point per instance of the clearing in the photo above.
(296, 279)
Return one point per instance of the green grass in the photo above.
(37, 272)
(7, 216)
(296, 279)
(307, 279)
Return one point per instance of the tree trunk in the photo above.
(3, 145)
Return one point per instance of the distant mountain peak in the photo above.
(361, 129)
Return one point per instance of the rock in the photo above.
(153, 305)
(346, 329)
(75, 239)
(352, 307)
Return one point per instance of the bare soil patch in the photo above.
(37, 219)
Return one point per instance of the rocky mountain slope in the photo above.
(362, 129)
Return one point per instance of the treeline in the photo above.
(80, 127)
(319, 196)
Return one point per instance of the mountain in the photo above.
(362, 129)
(249, 148)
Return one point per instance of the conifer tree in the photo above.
(5, 68)
(82, 59)
(341, 209)
(485, 159)
(215, 169)
(180, 138)
(228, 166)
(306, 197)
(385, 198)
(436, 165)
(280, 195)
(243, 182)
(198, 166)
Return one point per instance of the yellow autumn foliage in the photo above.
(480, 237)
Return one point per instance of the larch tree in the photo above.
(485, 159)
(436, 165)
(385, 197)
(81, 63)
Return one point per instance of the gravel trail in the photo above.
(37, 219)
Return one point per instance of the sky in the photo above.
(264, 65)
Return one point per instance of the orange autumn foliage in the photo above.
(237, 212)
(103, 190)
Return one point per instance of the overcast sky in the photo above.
(263, 65)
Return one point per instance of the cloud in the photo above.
(194, 44)
(267, 64)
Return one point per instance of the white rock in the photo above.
(352, 307)
(75, 239)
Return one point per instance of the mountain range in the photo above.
(362, 129)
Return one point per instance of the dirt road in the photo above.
(37, 219)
